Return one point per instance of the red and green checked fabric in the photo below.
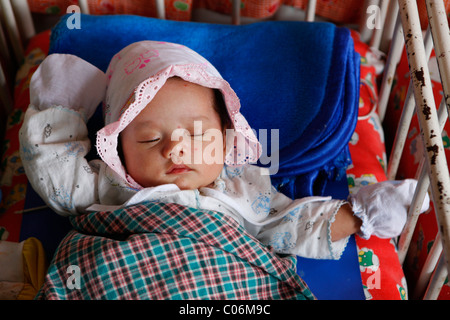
(167, 251)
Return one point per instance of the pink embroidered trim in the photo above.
(246, 150)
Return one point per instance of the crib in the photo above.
(404, 117)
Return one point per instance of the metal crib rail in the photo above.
(12, 30)
(393, 57)
(441, 36)
(408, 110)
(434, 170)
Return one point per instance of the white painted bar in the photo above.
(427, 270)
(24, 20)
(236, 12)
(419, 195)
(12, 30)
(378, 32)
(428, 119)
(389, 25)
(160, 9)
(311, 10)
(437, 280)
(405, 119)
(395, 52)
(84, 7)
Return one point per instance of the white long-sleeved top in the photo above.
(54, 143)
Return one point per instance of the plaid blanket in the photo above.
(167, 251)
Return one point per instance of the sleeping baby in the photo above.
(174, 134)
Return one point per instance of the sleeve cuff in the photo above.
(366, 229)
(69, 81)
(336, 247)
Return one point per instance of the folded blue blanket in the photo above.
(298, 78)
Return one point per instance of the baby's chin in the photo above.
(189, 185)
(193, 181)
(184, 181)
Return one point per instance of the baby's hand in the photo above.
(383, 207)
(69, 81)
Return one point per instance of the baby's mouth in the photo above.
(178, 169)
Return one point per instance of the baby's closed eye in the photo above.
(152, 140)
(207, 135)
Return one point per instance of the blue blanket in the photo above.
(299, 78)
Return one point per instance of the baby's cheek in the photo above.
(213, 152)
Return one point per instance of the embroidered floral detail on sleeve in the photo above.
(261, 205)
(293, 215)
(282, 241)
(28, 151)
(62, 197)
(73, 149)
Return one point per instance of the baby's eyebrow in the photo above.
(144, 125)
(198, 118)
(151, 124)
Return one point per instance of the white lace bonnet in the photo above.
(137, 72)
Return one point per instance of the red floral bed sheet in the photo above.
(13, 181)
(381, 272)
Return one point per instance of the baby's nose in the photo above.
(176, 150)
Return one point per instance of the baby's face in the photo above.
(177, 138)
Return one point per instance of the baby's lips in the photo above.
(178, 168)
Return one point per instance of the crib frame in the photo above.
(433, 169)
(400, 27)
